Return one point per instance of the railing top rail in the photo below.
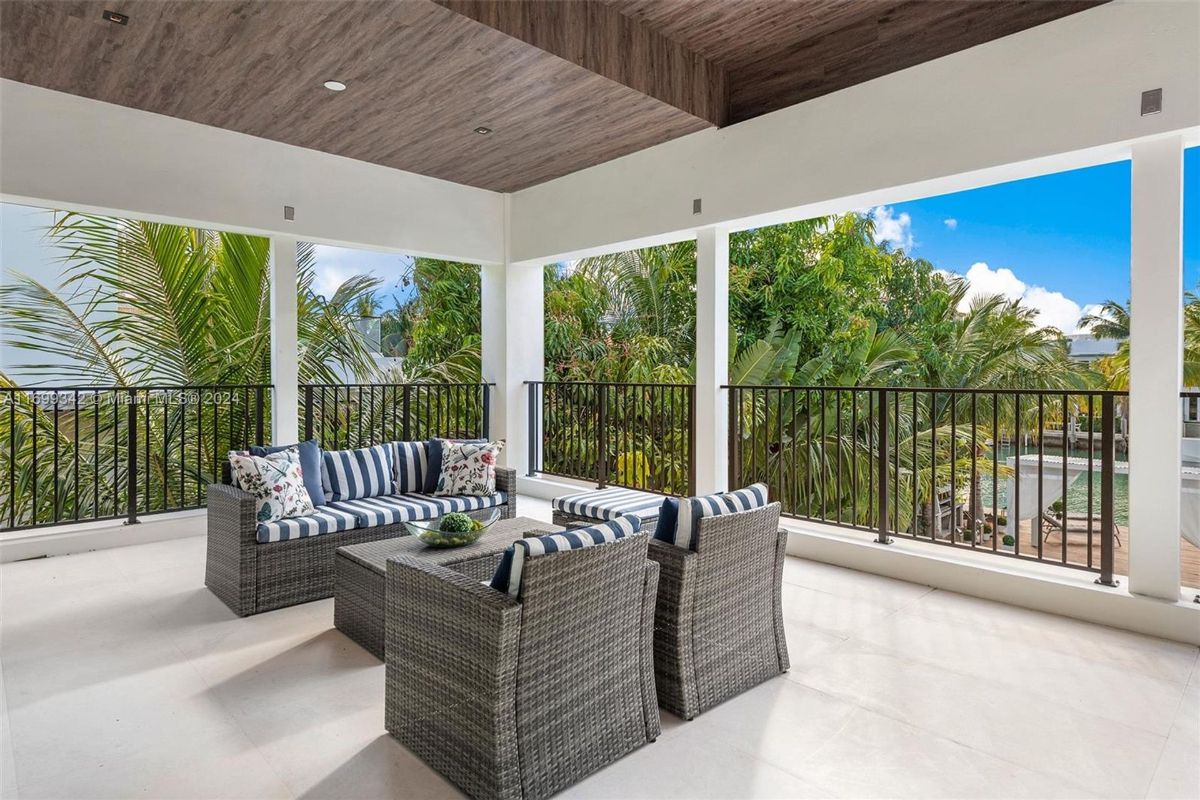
(137, 388)
(933, 389)
(410, 383)
(605, 383)
(1190, 394)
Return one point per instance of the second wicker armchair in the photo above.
(719, 617)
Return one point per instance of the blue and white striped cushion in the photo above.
(603, 504)
(351, 474)
(678, 521)
(323, 520)
(390, 509)
(412, 466)
(512, 564)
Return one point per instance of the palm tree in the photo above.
(1110, 321)
(140, 304)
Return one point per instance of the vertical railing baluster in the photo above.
(1014, 512)
(55, 496)
(883, 500)
(1090, 480)
(837, 435)
(954, 468)
(405, 424)
(895, 433)
(33, 408)
(600, 395)
(975, 501)
(1066, 449)
(486, 396)
(11, 394)
(995, 470)
(308, 413)
(1107, 520)
(531, 428)
(916, 491)
(1041, 437)
(935, 500)
(131, 465)
(258, 416)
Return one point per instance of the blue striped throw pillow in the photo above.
(351, 474)
(679, 517)
(412, 466)
(508, 573)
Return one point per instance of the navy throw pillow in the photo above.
(310, 464)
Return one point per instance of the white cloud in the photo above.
(327, 278)
(951, 223)
(893, 229)
(1054, 309)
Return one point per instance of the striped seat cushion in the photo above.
(351, 474)
(323, 520)
(391, 509)
(412, 466)
(512, 563)
(604, 504)
(678, 522)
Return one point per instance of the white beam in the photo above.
(284, 348)
(64, 151)
(1033, 99)
(712, 360)
(1156, 365)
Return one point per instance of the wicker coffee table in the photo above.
(360, 572)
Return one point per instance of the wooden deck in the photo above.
(1077, 551)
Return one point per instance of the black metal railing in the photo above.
(636, 435)
(362, 414)
(985, 470)
(83, 453)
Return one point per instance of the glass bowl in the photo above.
(433, 533)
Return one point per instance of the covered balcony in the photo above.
(984, 587)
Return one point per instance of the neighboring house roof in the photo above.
(1086, 346)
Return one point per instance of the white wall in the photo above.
(1071, 85)
(59, 150)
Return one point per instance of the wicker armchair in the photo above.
(718, 625)
(522, 697)
(250, 577)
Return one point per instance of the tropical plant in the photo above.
(1109, 321)
(148, 304)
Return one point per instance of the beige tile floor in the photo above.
(121, 676)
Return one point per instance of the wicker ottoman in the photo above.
(360, 573)
(597, 505)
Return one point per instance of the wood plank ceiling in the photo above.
(562, 84)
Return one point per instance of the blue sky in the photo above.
(334, 265)
(1061, 242)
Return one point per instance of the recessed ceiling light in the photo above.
(483, 130)
(335, 86)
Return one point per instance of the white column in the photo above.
(284, 349)
(1155, 371)
(513, 350)
(712, 360)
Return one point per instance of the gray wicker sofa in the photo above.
(719, 616)
(520, 697)
(251, 577)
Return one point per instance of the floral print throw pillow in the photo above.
(468, 469)
(276, 481)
